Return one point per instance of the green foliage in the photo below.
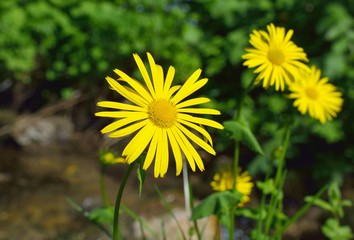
(332, 227)
(240, 131)
(334, 231)
(267, 187)
(335, 203)
(219, 204)
(103, 216)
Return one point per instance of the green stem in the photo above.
(236, 162)
(232, 222)
(103, 188)
(116, 234)
(237, 157)
(278, 177)
(189, 199)
(235, 174)
(262, 209)
(301, 212)
(242, 98)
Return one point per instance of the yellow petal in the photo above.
(196, 139)
(199, 111)
(151, 152)
(192, 102)
(176, 151)
(198, 120)
(184, 149)
(156, 80)
(158, 157)
(134, 98)
(121, 114)
(185, 92)
(139, 142)
(121, 123)
(128, 130)
(137, 86)
(197, 128)
(121, 106)
(196, 157)
(144, 73)
(190, 81)
(168, 82)
(165, 153)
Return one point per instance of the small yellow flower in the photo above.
(224, 180)
(316, 96)
(161, 116)
(109, 158)
(277, 59)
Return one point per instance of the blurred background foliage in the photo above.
(50, 49)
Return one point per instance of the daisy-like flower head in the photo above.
(224, 180)
(316, 96)
(277, 59)
(160, 114)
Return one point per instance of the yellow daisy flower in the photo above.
(224, 180)
(161, 117)
(277, 59)
(316, 96)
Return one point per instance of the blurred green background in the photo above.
(51, 50)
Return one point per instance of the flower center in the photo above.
(276, 56)
(311, 93)
(162, 113)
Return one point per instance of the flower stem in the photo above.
(188, 197)
(232, 223)
(235, 174)
(116, 233)
(237, 157)
(279, 179)
(242, 98)
(186, 189)
(278, 175)
(236, 162)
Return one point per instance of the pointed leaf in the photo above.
(240, 131)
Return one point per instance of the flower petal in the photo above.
(145, 74)
(198, 120)
(128, 130)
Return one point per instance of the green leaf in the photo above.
(334, 231)
(102, 215)
(267, 187)
(346, 203)
(240, 131)
(217, 203)
(319, 202)
(251, 213)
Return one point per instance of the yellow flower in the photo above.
(161, 115)
(316, 96)
(109, 158)
(224, 180)
(277, 59)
